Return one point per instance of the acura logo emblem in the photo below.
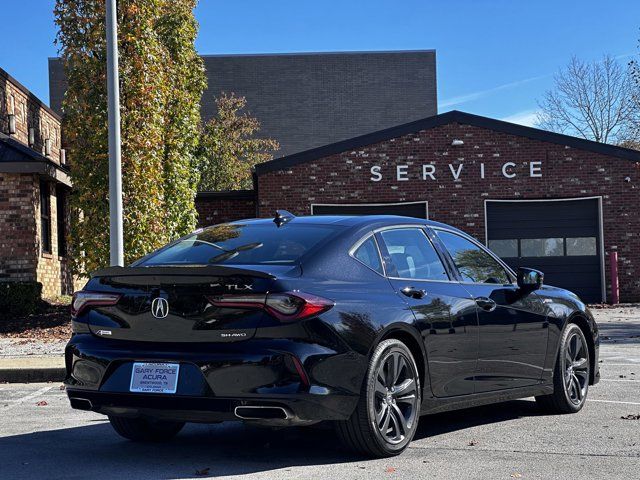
(159, 307)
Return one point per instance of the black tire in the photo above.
(397, 409)
(570, 375)
(145, 430)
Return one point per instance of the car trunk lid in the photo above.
(177, 304)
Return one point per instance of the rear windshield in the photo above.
(237, 244)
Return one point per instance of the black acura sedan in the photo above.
(365, 322)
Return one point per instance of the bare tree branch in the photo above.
(590, 100)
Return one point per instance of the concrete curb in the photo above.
(32, 369)
(31, 375)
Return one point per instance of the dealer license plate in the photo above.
(154, 377)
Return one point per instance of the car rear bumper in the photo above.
(306, 381)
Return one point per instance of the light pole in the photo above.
(116, 250)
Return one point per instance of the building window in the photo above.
(541, 247)
(545, 247)
(504, 248)
(61, 218)
(581, 246)
(45, 217)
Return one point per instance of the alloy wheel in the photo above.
(576, 368)
(395, 398)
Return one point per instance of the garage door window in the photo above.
(581, 246)
(504, 248)
(541, 247)
(544, 247)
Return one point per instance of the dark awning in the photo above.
(18, 158)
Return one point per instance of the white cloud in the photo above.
(484, 93)
(526, 118)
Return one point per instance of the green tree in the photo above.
(229, 147)
(161, 83)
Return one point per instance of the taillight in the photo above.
(82, 300)
(286, 307)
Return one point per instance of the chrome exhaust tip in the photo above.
(81, 403)
(261, 412)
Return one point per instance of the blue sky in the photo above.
(494, 57)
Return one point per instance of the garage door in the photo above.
(561, 238)
(411, 209)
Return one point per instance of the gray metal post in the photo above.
(116, 248)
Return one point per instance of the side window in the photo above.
(367, 253)
(473, 263)
(412, 254)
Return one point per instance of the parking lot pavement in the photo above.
(41, 437)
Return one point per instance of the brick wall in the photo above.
(29, 112)
(21, 255)
(18, 259)
(220, 207)
(566, 173)
(53, 268)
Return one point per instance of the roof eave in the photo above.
(453, 116)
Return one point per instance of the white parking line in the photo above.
(613, 401)
(620, 364)
(618, 380)
(31, 396)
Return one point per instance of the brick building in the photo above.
(34, 188)
(305, 100)
(540, 199)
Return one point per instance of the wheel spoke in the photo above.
(572, 389)
(395, 434)
(385, 424)
(577, 387)
(404, 388)
(567, 357)
(391, 370)
(400, 420)
(580, 364)
(578, 347)
(401, 364)
(581, 374)
(567, 377)
(572, 347)
(381, 389)
(381, 415)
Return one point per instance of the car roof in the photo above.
(371, 221)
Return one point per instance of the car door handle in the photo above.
(414, 292)
(486, 304)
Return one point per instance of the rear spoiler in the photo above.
(190, 271)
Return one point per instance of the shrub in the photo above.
(19, 298)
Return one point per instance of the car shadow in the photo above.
(433, 425)
(95, 451)
(627, 332)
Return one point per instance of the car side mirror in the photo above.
(529, 278)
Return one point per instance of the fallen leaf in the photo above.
(42, 403)
(203, 472)
(516, 475)
(62, 387)
(631, 417)
(473, 443)
(390, 470)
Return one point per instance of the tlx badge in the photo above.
(233, 287)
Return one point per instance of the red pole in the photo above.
(615, 289)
